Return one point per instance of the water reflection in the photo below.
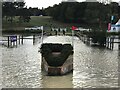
(64, 81)
(119, 69)
(21, 66)
(93, 67)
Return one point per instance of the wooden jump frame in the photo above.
(110, 41)
(13, 40)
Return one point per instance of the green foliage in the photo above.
(12, 9)
(84, 12)
(98, 37)
(112, 34)
(47, 49)
(52, 47)
(21, 32)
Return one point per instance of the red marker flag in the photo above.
(109, 26)
(74, 28)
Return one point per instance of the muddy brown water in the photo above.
(93, 67)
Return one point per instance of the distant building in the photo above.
(12, 0)
(8, 0)
(69, 1)
(19, 0)
(91, 1)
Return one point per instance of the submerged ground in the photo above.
(93, 66)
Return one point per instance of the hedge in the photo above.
(47, 49)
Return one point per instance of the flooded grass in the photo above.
(93, 67)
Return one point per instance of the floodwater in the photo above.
(93, 67)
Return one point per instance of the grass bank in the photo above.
(35, 21)
(45, 21)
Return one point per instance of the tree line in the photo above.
(69, 12)
(84, 12)
(87, 13)
(12, 9)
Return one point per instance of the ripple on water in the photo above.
(93, 67)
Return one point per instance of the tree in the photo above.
(24, 15)
(12, 9)
(93, 13)
(8, 9)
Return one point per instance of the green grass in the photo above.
(35, 21)
(45, 21)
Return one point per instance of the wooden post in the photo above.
(22, 39)
(33, 39)
(8, 41)
(112, 43)
(42, 35)
(108, 42)
(81, 37)
(84, 39)
(19, 39)
(119, 46)
(119, 42)
(119, 65)
(16, 41)
(73, 38)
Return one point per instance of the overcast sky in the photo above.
(46, 3)
(41, 3)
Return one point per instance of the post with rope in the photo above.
(42, 34)
(22, 40)
(119, 37)
(73, 29)
(19, 39)
(73, 38)
(8, 41)
(33, 39)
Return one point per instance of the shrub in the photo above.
(99, 37)
(56, 61)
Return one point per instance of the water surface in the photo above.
(93, 66)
